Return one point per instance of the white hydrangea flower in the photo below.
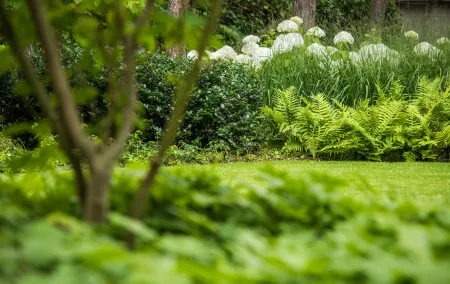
(336, 63)
(317, 49)
(249, 48)
(193, 54)
(294, 39)
(316, 31)
(412, 35)
(343, 37)
(425, 48)
(331, 50)
(243, 58)
(287, 26)
(226, 52)
(263, 54)
(287, 42)
(251, 39)
(354, 57)
(297, 20)
(374, 52)
(443, 40)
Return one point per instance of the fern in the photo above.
(391, 127)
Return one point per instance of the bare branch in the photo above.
(182, 98)
(69, 116)
(130, 89)
(39, 91)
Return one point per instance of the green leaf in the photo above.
(132, 225)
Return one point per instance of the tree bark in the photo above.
(378, 11)
(97, 197)
(177, 8)
(305, 9)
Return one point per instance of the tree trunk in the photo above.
(305, 9)
(97, 197)
(378, 11)
(177, 8)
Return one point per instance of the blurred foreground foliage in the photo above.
(198, 229)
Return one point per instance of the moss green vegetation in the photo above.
(427, 181)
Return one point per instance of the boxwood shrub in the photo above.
(224, 107)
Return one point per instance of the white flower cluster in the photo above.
(412, 35)
(317, 49)
(374, 52)
(443, 40)
(251, 39)
(355, 58)
(249, 48)
(243, 58)
(343, 36)
(254, 55)
(297, 20)
(226, 52)
(332, 50)
(426, 49)
(316, 32)
(287, 26)
(193, 54)
(287, 42)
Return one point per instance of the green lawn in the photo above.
(429, 181)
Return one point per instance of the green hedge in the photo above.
(224, 106)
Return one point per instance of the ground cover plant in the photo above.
(198, 229)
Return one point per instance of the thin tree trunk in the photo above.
(305, 9)
(97, 199)
(378, 11)
(177, 8)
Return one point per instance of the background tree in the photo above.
(378, 11)
(305, 9)
(177, 9)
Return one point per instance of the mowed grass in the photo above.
(425, 181)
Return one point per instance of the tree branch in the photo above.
(182, 99)
(39, 91)
(69, 116)
(130, 89)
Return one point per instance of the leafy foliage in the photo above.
(391, 129)
(197, 229)
(223, 107)
(345, 81)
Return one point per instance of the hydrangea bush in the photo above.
(290, 37)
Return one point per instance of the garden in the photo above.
(188, 141)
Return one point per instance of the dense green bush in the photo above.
(395, 128)
(224, 106)
(198, 229)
